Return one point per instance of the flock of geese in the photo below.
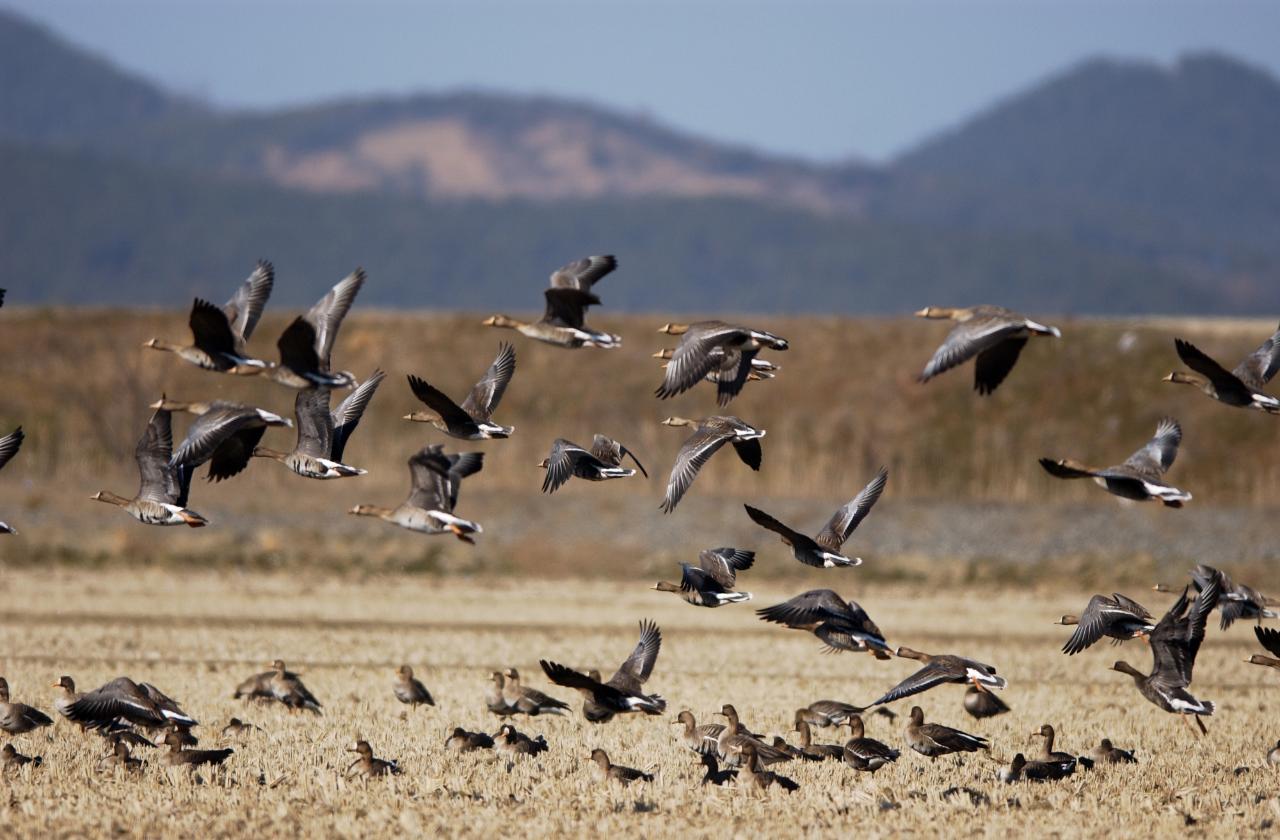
(228, 435)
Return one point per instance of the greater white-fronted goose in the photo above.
(761, 369)
(434, 480)
(1175, 641)
(410, 690)
(606, 771)
(823, 551)
(120, 757)
(495, 699)
(992, 333)
(826, 713)
(863, 753)
(1269, 638)
(9, 446)
(623, 692)
(288, 688)
(17, 718)
(750, 774)
(712, 774)
(601, 463)
(735, 737)
(162, 494)
(704, 738)
(1242, 386)
(934, 739)
(809, 749)
(1117, 617)
(223, 433)
(983, 704)
(179, 756)
(460, 740)
(257, 687)
(367, 764)
(711, 582)
(141, 704)
(840, 624)
(238, 728)
(563, 323)
(306, 345)
(1139, 478)
(1020, 768)
(10, 758)
(708, 347)
(510, 742)
(939, 670)
(528, 701)
(1108, 753)
(709, 434)
(219, 335)
(1237, 601)
(473, 420)
(323, 434)
(1066, 761)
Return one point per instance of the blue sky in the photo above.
(820, 80)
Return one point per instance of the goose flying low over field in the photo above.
(709, 434)
(1236, 600)
(435, 479)
(939, 670)
(623, 692)
(761, 369)
(323, 434)
(714, 347)
(600, 463)
(840, 624)
(1139, 478)
(992, 333)
(710, 583)
(563, 324)
(934, 739)
(1175, 641)
(9, 446)
(473, 420)
(306, 345)
(141, 704)
(1269, 638)
(823, 551)
(218, 335)
(980, 703)
(1117, 617)
(223, 433)
(1241, 386)
(162, 493)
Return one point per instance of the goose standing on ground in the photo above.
(368, 765)
(863, 753)
(714, 347)
(840, 624)
(473, 419)
(1236, 601)
(709, 434)
(1139, 478)
(141, 704)
(711, 582)
(934, 739)
(623, 692)
(17, 718)
(223, 433)
(528, 701)
(434, 480)
(306, 345)
(983, 704)
(1240, 387)
(323, 434)
(606, 771)
(735, 738)
(495, 698)
(1175, 641)
(10, 757)
(823, 551)
(410, 690)
(704, 738)
(1117, 617)
(162, 494)
(288, 688)
(1269, 638)
(939, 670)
(460, 740)
(563, 323)
(992, 333)
(601, 463)
(218, 335)
(9, 446)
(750, 774)
(809, 749)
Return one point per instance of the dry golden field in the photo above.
(197, 634)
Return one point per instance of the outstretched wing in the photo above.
(1269, 638)
(994, 364)
(928, 677)
(633, 673)
(1262, 364)
(696, 451)
(10, 444)
(701, 350)
(967, 340)
(723, 564)
(211, 331)
(1091, 627)
(245, 306)
(766, 521)
(158, 482)
(1158, 454)
(611, 452)
(327, 314)
(347, 415)
(429, 479)
(487, 393)
(438, 401)
(846, 519)
(567, 307)
(584, 273)
(1066, 469)
(315, 423)
(561, 464)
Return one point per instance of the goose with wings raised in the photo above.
(939, 670)
(714, 347)
(1269, 638)
(435, 479)
(306, 345)
(9, 446)
(163, 487)
(603, 461)
(623, 692)
(709, 434)
(563, 323)
(1141, 477)
(224, 434)
(219, 335)
(473, 420)
(323, 434)
(1242, 385)
(993, 334)
(1117, 617)
(823, 551)
(710, 583)
(840, 624)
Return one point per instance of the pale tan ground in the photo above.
(197, 634)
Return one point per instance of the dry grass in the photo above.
(198, 634)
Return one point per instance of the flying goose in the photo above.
(410, 690)
(523, 700)
(1242, 386)
(709, 434)
(434, 480)
(567, 298)
(9, 446)
(1117, 617)
(1141, 477)
(17, 718)
(1237, 601)
(750, 774)
(622, 693)
(840, 624)
(511, 742)
(826, 713)
(606, 771)
(980, 703)
(601, 463)
(863, 753)
(1269, 638)
(368, 765)
(218, 335)
(1175, 641)
(460, 740)
(1108, 753)
(760, 370)
(162, 493)
(714, 347)
(323, 434)
(141, 704)
(938, 670)
(223, 433)
(179, 756)
(823, 551)
(934, 739)
(306, 345)
(710, 583)
(992, 333)
(473, 419)
(704, 739)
